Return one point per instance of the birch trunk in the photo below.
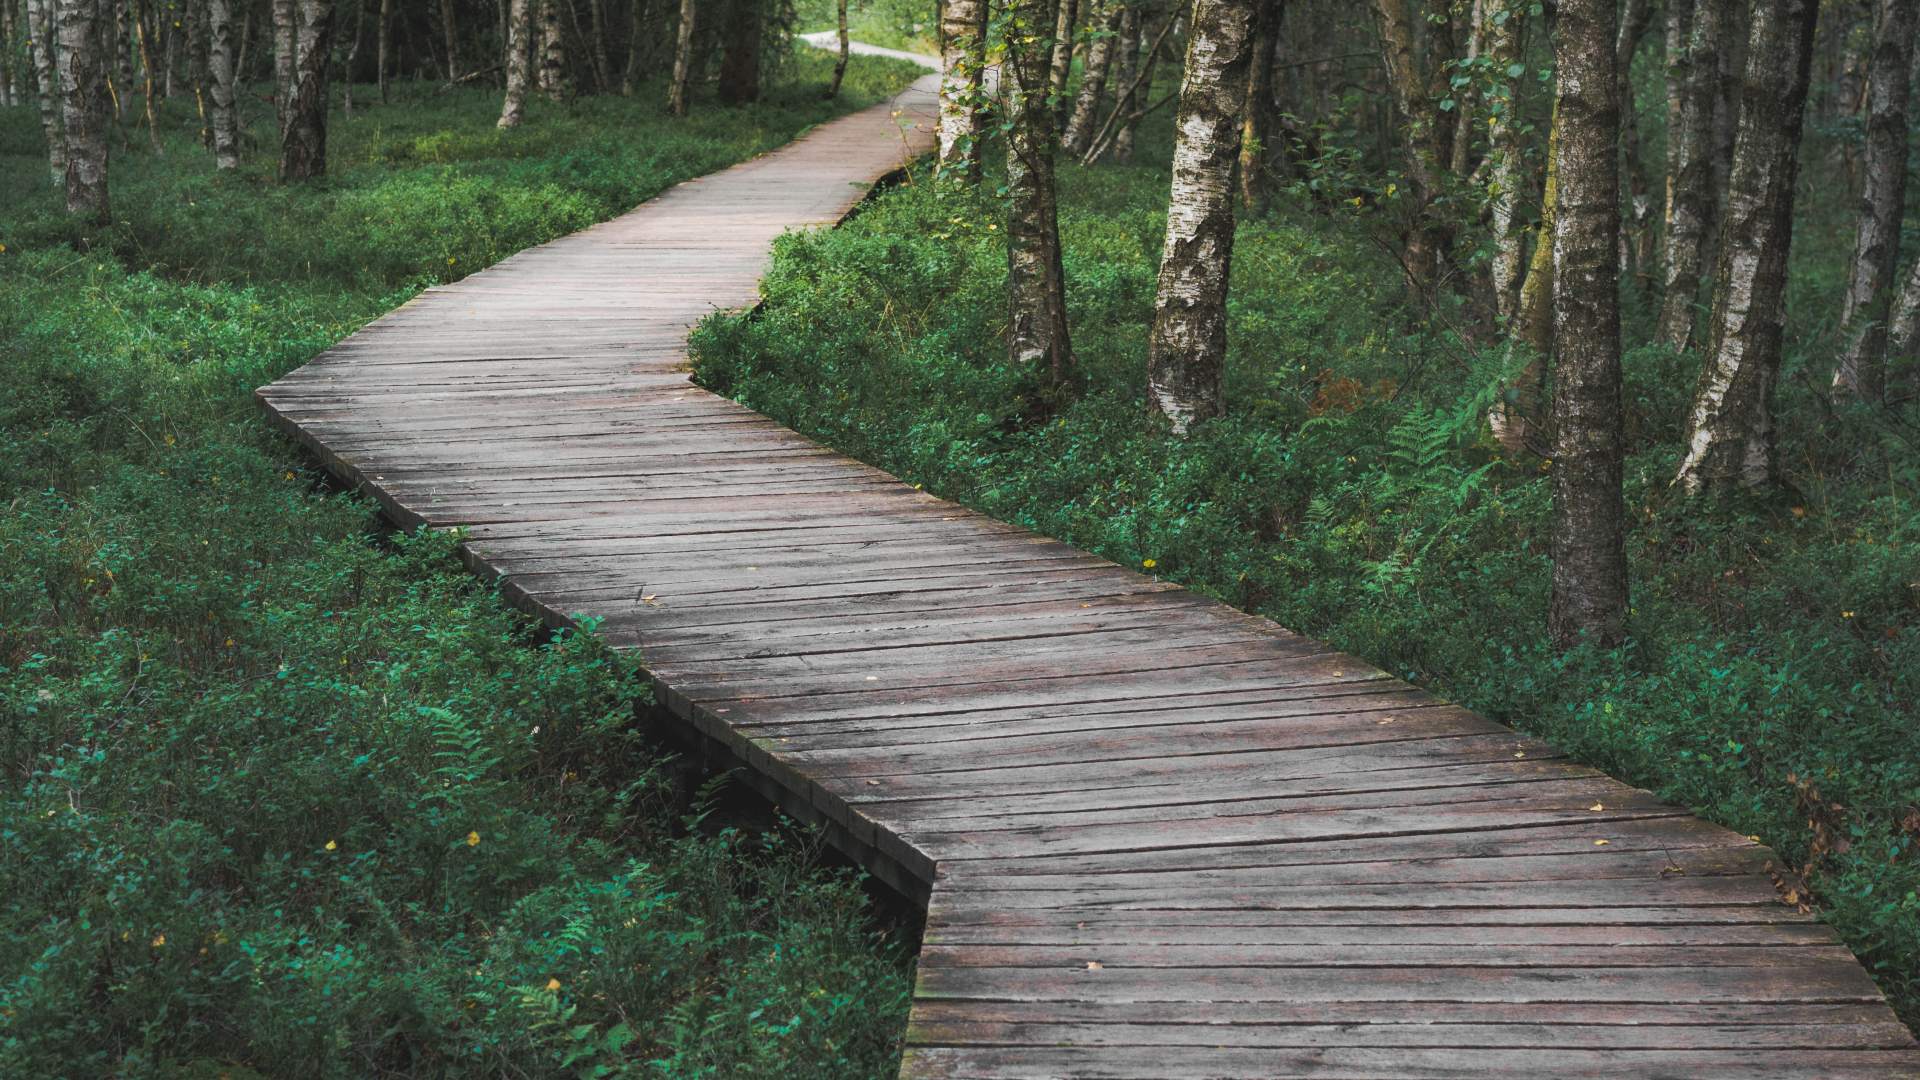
(1066, 19)
(602, 69)
(682, 61)
(145, 26)
(284, 58)
(303, 146)
(1726, 119)
(1515, 417)
(86, 110)
(1883, 194)
(1186, 352)
(1256, 126)
(1635, 192)
(519, 62)
(385, 32)
(1407, 89)
(1507, 154)
(1465, 96)
(636, 25)
(1589, 598)
(1730, 424)
(43, 36)
(840, 62)
(1093, 85)
(226, 134)
(1692, 73)
(963, 64)
(553, 52)
(451, 28)
(1037, 340)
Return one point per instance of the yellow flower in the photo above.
(553, 984)
(473, 839)
(1148, 563)
(159, 940)
(331, 845)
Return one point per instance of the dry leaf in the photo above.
(1093, 965)
(1600, 843)
(1596, 806)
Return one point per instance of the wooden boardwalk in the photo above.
(1157, 837)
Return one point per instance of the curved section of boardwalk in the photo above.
(1161, 838)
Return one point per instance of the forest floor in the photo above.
(284, 795)
(1772, 680)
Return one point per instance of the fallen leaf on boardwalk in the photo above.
(1596, 806)
(1520, 755)
(1600, 843)
(873, 678)
(1672, 869)
(1093, 965)
(875, 783)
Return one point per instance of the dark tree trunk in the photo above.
(636, 34)
(348, 64)
(963, 28)
(1413, 116)
(1507, 165)
(196, 44)
(1093, 85)
(840, 62)
(1635, 239)
(145, 26)
(1186, 354)
(553, 52)
(602, 70)
(1066, 19)
(1037, 340)
(226, 133)
(1146, 64)
(740, 59)
(1730, 425)
(303, 148)
(86, 110)
(43, 31)
(284, 60)
(1589, 600)
(1883, 195)
(682, 60)
(519, 62)
(1732, 38)
(1257, 127)
(1693, 59)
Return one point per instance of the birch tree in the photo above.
(682, 60)
(1883, 195)
(86, 110)
(1037, 339)
(1693, 63)
(519, 62)
(962, 68)
(553, 52)
(1423, 142)
(303, 145)
(1256, 125)
(840, 62)
(43, 38)
(284, 59)
(1730, 423)
(1093, 84)
(1506, 158)
(1186, 352)
(1635, 191)
(1589, 598)
(226, 132)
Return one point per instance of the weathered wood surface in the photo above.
(1161, 838)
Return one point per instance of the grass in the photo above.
(283, 796)
(1354, 494)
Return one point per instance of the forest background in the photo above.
(226, 849)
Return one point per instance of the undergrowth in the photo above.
(281, 797)
(1354, 494)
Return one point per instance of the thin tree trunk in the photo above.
(1635, 190)
(1037, 339)
(636, 25)
(963, 64)
(226, 134)
(519, 60)
(1507, 154)
(303, 146)
(682, 61)
(1589, 598)
(1093, 85)
(144, 26)
(1256, 127)
(353, 54)
(1140, 91)
(1407, 89)
(553, 52)
(1883, 195)
(85, 110)
(385, 32)
(44, 34)
(451, 27)
(1464, 97)
(1515, 417)
(739, 82)
(197, 65)
(1187, 349)
(284, 56)
(1730, 424)
(9, 18)
(1726, 118)
(1066, 19)
(1692, 74)
(602, 70)
(846, 48)
(116, 22)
